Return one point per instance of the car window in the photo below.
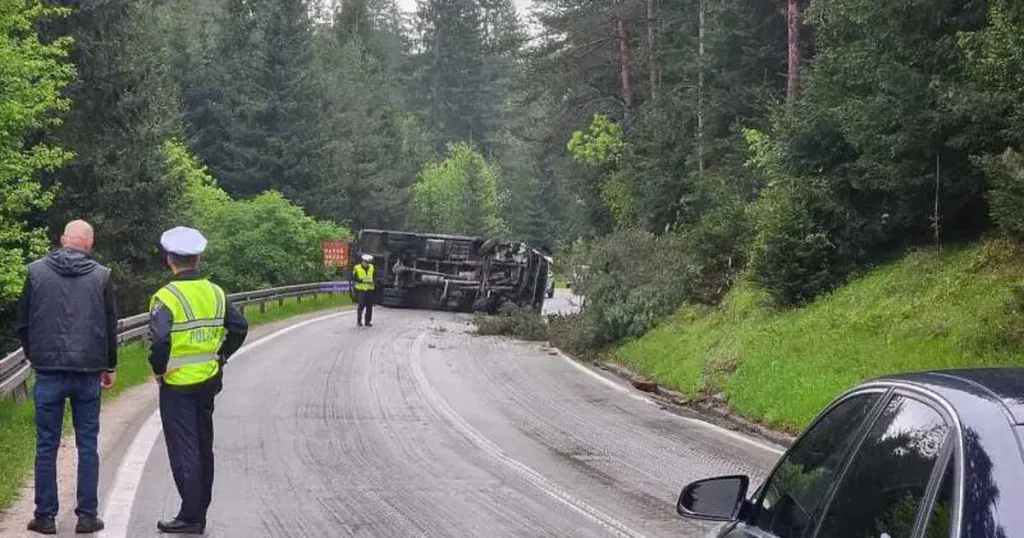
(791, 495)
(880, 493)
(940, 520)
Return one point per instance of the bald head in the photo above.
(78, 235)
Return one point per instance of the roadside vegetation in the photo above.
(959, 307)
(517, 322)
(17, 423)
(778, 250)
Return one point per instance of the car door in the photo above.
(785, 504)
(886, 491)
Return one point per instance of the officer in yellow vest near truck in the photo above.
(194, 330)
(363, 275)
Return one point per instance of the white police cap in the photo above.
(183, 241)
(367, 258)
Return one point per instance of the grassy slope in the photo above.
(930, 310)
(17, 426)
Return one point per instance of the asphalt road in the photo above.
(417, 428)
(564, 302)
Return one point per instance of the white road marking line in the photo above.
(118, 507)
(635, 396)
(117, 510)
(606, 521)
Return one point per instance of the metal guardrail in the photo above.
(15, 370)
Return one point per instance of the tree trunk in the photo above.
(700, 89)
(793, 19)
(625, 57)
(652, 45)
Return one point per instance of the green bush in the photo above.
(458, 195)
(718, 242)
(805, 244)
(1006, 192)
(807, 239)
(569, 261)
(258, 243)
(634, 280)
(33, 76)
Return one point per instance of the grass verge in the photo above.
(960, 307)
(17, 419)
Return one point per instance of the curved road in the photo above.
(417, 428)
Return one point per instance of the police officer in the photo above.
(363, 275)
(194, 330)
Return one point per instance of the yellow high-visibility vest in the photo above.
(197, 310)
(364, 278)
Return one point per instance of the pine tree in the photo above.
(290, 107)
(452, 72)
(216, 87)
(124, 107)
(376, 146)
(253, 109)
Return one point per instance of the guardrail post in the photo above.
(298, 298)
(280, 302)
(263, 306)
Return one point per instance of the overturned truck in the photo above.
(450, 272)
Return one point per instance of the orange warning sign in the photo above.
(336, 254)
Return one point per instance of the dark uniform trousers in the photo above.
(365, 303)
(187, 417)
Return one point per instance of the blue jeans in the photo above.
(51, 390)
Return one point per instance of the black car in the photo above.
(916, 455)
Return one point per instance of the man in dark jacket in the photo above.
(67, 323)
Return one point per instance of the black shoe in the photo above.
(180, 527)
(43, 525)
(359, 324)
(89, 525)
(368, 324)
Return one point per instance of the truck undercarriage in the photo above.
(449, 272)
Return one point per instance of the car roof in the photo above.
(998, 385)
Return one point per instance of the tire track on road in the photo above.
(613, 525)
(338, 431)
(621, 455)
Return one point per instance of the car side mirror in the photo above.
(714, 499)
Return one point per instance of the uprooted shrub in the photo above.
(571, 334)
(517, 322)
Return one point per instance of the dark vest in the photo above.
(67, 313)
